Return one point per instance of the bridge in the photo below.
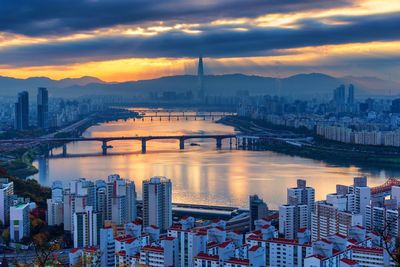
(379, 193)
(144, 139)
(177, 115)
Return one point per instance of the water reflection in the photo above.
(200, 174)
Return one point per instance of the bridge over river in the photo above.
(143, 139)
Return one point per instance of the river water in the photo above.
(200, 174)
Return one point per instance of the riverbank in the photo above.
(318, 148)
(18, 162)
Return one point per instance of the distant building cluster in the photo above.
(45, 112)
(350, 136)
(372, 122)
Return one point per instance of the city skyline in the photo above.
(151, 40)
(223, 133)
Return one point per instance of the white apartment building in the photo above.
(55, 212)
(362, 195)
(157, 202)
(285, 252)
(204, 259)
(6, 193)
(87, 226)
(120, 200)
(190, 243)
(296, 214)
(157, 256)
(328, 220)
(292, 218)
(19, 222)
(370, 256)
(107, 247)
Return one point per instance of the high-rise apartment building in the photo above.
(328, 220)
(87, 225)
(43, 108)
(22, 111)
(120, 200)
(362, 195)
(258, 209)
(76, 197)
(20, 225)
(6, 193)
(107, 247)
(296, 214)
(157, 202)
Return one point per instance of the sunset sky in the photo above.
(119, 40)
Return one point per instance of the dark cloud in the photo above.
(219, 42)
(55, 17)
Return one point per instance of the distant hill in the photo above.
(298, 86)
(10, 86)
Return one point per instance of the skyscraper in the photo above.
(339, 98)
(157, 202)
(22, 111)
(43, 108)
(258, 209)
(200, 76)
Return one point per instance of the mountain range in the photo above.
(316, 85)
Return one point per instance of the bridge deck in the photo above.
(111, 138)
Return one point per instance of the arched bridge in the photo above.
(386, 188)
(104, 140)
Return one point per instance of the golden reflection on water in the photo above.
(200, 174)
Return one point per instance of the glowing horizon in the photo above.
(356, 38)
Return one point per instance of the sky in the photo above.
(121, 40)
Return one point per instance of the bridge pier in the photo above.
(230, 143)
(104, 147)
(64, 150)
(143, 146)
(219, 142)
(181, 143)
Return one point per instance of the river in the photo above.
(200, 174)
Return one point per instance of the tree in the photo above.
(44, 247)
(6, 235)
(390, 242)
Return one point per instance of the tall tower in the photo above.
(22, 111)
(200, 76)
(43, 108)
